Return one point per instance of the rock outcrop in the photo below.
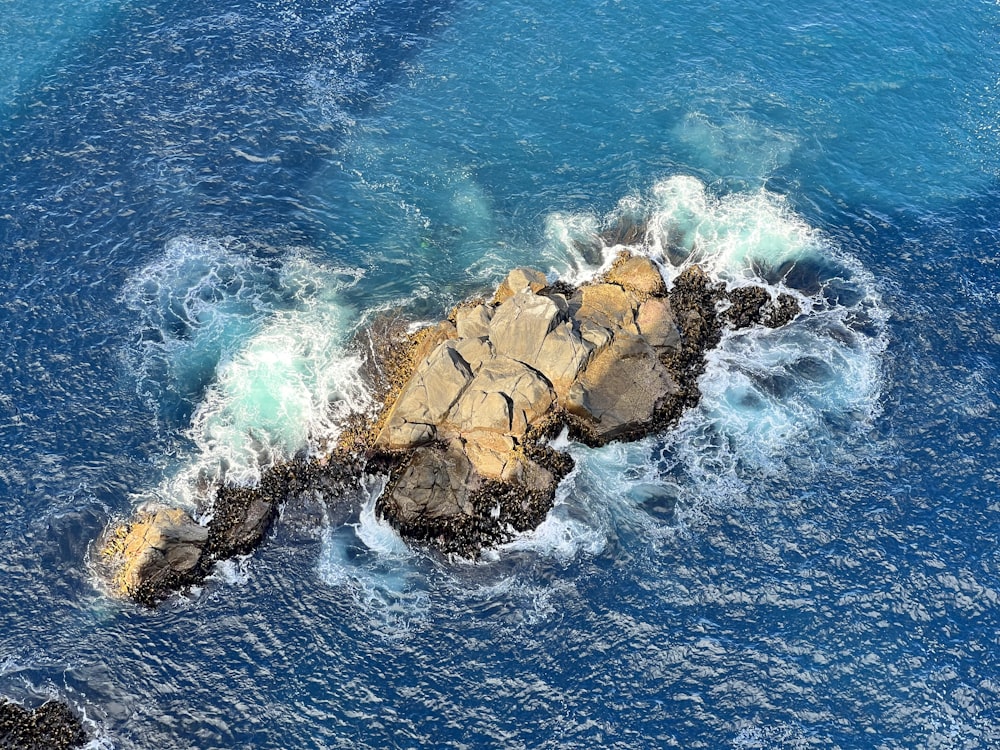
(468, 409)
(477, 396)
(161, 550)
(51, 726)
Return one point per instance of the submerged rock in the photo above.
(51, 726)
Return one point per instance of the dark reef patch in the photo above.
(51, 726)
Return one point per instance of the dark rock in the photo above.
(621, 391)
(432, 489)
(438, 498)
(241, 516)
(753, 305)
(627, 230)
(51, 726)
(693, 300)
(746, 306)
(781, 311)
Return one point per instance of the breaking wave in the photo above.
(249, 348)
(806, 386)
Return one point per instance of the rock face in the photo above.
(468, 407)
(622, 389)
(51, 726)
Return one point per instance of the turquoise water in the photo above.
(200, 204)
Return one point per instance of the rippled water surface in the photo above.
(200, 203)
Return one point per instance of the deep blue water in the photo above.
(200, 202)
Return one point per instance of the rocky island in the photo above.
(468, 408)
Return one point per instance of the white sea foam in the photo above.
(373, 563)
(267, 335)
(809, 383)
(234, 571)
(193, 306)
(569, 238)
(764, 391)
(376, 533)
(739, 237)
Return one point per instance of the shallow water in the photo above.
(200, 204)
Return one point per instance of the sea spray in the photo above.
(257, 342)
(764, 391)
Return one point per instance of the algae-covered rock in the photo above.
(51, 726)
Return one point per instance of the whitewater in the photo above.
(201, 206)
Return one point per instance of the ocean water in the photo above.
(201, 202)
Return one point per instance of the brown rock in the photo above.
(498, 457)
(473, 322)
(596, 336)
(563, 354)
(425, 401)
(400, 434)
(618, 395)
(490, 453)
(155, 550)
(520, 325)
(504, 396)
(519, 280)
(605, 305)
(474, 351)
(638, 274)
(655, 321)
(429, 339)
